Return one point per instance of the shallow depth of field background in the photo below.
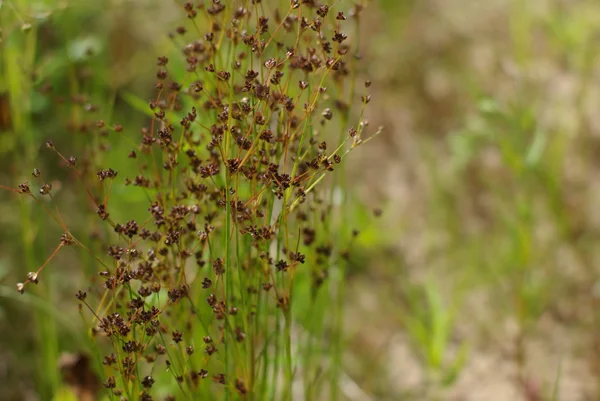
(480, 280)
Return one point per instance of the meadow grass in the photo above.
(211, 265)
(489, 252)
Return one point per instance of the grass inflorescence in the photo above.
(225, 279)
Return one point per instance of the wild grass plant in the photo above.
(213, 246)
(480, 276)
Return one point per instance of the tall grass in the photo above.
(213, 268)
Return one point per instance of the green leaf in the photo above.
(536, 150)
(457, 366)
(137, 103)
(440, 325)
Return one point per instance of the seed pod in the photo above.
(33, 277)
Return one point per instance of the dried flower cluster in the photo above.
(230, 163)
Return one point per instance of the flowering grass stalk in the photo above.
(222, 290)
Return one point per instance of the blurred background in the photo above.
(480, 278)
